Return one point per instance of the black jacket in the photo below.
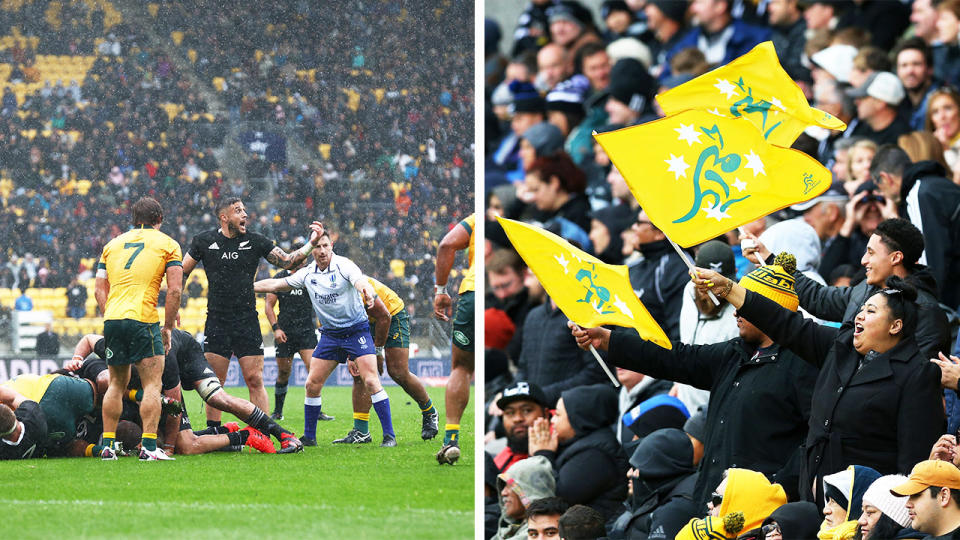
(886, 416)
(841, 304)
(549, 356)
(591, 468)
(759, 402)
(658, 281)
(933, 204)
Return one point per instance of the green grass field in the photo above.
(330, 491)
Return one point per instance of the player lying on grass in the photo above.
(185, 365)
(397, 353)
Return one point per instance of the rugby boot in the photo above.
(354, 437)
(389, 441)
(259, 441)
(430, 426)
(289, 444)
(449, 454)
(155, 455)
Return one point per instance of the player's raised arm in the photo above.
(272, 285)
(278, 257)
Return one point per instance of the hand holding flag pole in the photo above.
(692, 268)
(744, 233)
(616, 383)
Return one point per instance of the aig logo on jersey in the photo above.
(229, 255)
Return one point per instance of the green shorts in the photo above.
(463, 323)
(130, 341)
(65, 402)
(398, 336)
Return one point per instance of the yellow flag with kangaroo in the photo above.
(753, 86)
(589, 292)
(720, 173)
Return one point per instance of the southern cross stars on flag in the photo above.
(753, 86)
(720, 173)
(589, 292)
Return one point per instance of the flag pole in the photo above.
(759, 258)
(691, 267)
(616, 383)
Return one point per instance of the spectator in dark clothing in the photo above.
(506, 292)
(877, 400)
(877, 101)
(795, 520)
(48, 343)
(893, 250)
(664, 472)
(520, 405)
(931, 202)
(789, 37)
(665, 20)
(550, 358)
(557, 187)
(759, 391)
(589, 463)
(914, 65)
(194, 288)
(660, 277)
(886, 21)
(76, 300)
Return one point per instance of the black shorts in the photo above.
(185, 421)
(193, 367)
(238, 337)
(296, 342)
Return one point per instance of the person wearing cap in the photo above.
(823, 14)
(531, 30)
(539, 140)
(571, 25)
(659, 278)
(529, 480)
(566, 111)
(701, 321)
(789, 36)
(933, 498)
(877, 400)
(843, 493)
(719, 36)
(662, 478)
(759, 392)
(792, 521)
(892, 250)
(884, 514)
(520, 404)
(589, 463)
(619, 20)
(529, 109)
(631, 90)
(924, 195)
(667, 20)
(877, 101)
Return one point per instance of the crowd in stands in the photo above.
(798, 406)
(390, 154)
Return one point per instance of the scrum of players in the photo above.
(121, 393)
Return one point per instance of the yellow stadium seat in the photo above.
(177, 37)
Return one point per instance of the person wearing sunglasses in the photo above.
(792, 521)
(877, 400)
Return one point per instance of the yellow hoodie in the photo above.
(747, 492)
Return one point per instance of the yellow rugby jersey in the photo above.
(32, 387)
(467, 284)
(135, 263)
(391, 299)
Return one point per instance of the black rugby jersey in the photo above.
(34, 433)
(295, 311)
(231, 265)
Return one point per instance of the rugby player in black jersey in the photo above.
(23, 426)
(230, 256)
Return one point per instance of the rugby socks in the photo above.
(238, 438)
(381, 404)
(451, 434)
(264, 424)
(279, 396)
(361, 422)
(215, 430)
(427, 408)
(311, 413)
(149, 441)
(135, 396)
(93, 450)
(109, 437)
(213, 423)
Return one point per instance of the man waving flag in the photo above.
(589, 292)
(698, 174)
(755, 87)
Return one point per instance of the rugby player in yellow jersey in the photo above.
(457, 393)
(396, 351)
(128, 279)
